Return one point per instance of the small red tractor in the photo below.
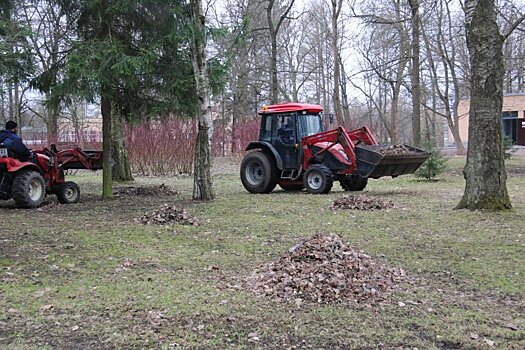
(295, 152)
(30, 181)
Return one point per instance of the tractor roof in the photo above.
(290, 107)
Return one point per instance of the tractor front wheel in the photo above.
(258, 173)
(68, 193)
(29, 189)
(318, 179)
(354, 182)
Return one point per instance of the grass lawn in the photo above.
(88, 276)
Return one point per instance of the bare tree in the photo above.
(415, 70)
(202, 177)
(275, 14)
(486, 177)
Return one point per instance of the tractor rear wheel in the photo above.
(68, 193)
(318, 179)
(29, 189)
(354, 182)
(259, 173)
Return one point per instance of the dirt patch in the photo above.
(349, 202)
(167, 215)
(324, 269)
(161, 189)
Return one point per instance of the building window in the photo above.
(509, 124)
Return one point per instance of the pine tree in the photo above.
(434, 165)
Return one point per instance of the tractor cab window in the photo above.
(266, 129)
(286, 129)
(309, 124)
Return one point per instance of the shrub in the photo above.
(434, 165)
(162, 148)
(507, 147)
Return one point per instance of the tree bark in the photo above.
(107, 184)
(336, 10)
(52, 120)
(416, 88)
(121, 171)
(274, 88)
(274, 31)
(486, 177)
(202, 176)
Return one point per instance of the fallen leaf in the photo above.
(510, 326)
(46, 307)
(474, 336)
(489, 342)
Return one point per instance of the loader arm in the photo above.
(331, 138)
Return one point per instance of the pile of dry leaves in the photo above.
(169, 214)
(325, 269)
(394, 149)
(349, 202)
(145, 191)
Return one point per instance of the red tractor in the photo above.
(295, 152)
(29, 182)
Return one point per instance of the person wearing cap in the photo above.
(13, 142)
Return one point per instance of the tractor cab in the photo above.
(284, 126)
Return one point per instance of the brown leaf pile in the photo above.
(394, 149)
(169, 214)
(349, 202)
(161, 189)
(324, 269)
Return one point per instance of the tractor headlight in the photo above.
(343, 153)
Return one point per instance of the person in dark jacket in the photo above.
(13, 142)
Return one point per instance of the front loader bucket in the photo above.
(367, 160)
(392, 164)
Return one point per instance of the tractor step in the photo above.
(289, 174)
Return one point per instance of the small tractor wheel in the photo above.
(258, 173)
(354, 182)
(318, 179)
(68, 193)
(291, 187)
(29, 189)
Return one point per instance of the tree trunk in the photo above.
(486, 177)
(18, 117)
(107, 184)
(121, 170)
(336, 10)
(202, 176)
(416, 88)
(236, 115)
(52, 121)
(274, 87)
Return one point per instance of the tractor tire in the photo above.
(29, 189)
(291, 187)
(68, 193)
(318, 179)
(259, 173)
(354, 182)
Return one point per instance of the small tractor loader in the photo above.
(294, 152)
(29, 182)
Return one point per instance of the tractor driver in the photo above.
(13, 142)
(286, 132)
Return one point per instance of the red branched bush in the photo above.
(162, 148)
(222, 141)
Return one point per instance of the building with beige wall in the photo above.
(512, 119)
